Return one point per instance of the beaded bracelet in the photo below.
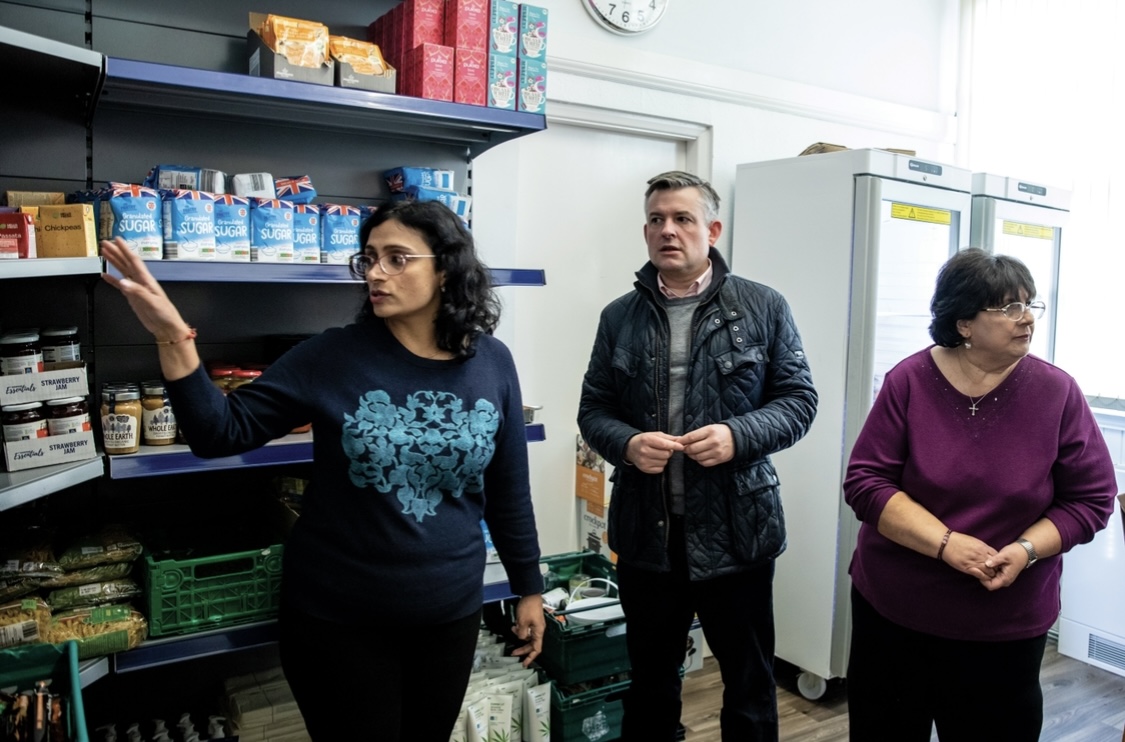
(190, 336)
(944, 541)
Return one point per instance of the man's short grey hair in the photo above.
(674, 180)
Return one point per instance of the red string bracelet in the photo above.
(190, 336)
(944, 541)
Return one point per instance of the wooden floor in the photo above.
(1081, 704)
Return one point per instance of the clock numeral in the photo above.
(641, 17)
(652, 5)
(625, 16)
(612, 8)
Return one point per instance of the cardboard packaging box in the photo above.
(503, 27)
(267, 62)
(532, 86)
(68, 231)
(35, 198)
(593, 495)
(430, 72)
(533, 32)
(17, 236)
(466, 24)
(502, 81)
(59, 380)
(423, 22)
(56, 381)
(54, 449)
(470, 76)
(347, 77)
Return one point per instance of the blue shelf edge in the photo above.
(155, 461)
(169, 271)
(134, 84)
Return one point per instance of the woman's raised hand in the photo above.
(145, 296)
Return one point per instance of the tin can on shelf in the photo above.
(67, 415)
(158, 422)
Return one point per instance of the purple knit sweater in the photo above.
(1032, 450)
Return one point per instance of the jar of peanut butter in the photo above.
(121, 419)
(158, 423)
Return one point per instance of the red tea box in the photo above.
(470, 76)
(502, 81)
(17, 236)
(532, 86)
(429, 72)
(503, 27)
(423, 22)
(466, 24)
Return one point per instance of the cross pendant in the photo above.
(973, 408)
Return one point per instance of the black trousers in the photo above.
(902, 682)
(376, 681)
(736, 613)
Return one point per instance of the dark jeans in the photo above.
(901, 682)
(377, 681)
(736, 613)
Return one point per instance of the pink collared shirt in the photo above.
(697, 287)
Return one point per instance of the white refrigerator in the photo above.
(854, 240)
(1025, 220)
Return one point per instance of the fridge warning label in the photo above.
(1019, 229)
(921, 214)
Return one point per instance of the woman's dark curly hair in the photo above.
(469, 306)
(970, 281)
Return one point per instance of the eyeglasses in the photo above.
(392, 265)
(1016, 309)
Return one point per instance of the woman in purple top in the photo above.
(978, 466)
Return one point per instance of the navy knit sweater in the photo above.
(408, 455)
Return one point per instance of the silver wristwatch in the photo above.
(1032, 556)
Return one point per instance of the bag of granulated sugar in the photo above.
(339, 232)
(175, 177)
(306, 233)
(271, 231)
(297, 189)
(189, 225)
(232, 228)
(133, 213)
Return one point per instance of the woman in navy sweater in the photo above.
(978, 466)
(418, 434)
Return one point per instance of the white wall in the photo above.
(754, 80)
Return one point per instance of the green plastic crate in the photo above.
(574, 653)
(212, 592)
(591, 715)
(23, 666)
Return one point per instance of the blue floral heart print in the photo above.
(429, 448)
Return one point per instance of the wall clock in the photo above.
(626, 17)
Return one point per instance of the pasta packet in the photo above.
(33, 558)
(23, 622)
(113, 544)
(112, 591)
(16, 587)
(98, 630)
(101, 573)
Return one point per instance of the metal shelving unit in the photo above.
(82, 81)
(168, 271)
(137, 85)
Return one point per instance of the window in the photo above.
(1046, 79)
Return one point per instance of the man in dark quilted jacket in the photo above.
(695, 378)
